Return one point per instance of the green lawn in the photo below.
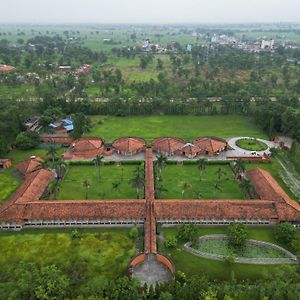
(174, 178)
(251, 145)
(72, 186)
(222, 247)
(105, 252)
(217, 270)
(8, 184)
(187, 127)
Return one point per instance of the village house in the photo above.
(5, 163)
(210, 145)
(129, 145)
(63, 126)
(6, 68)
(167, 145)
(84, 148)
(33, 124)
(30, 165)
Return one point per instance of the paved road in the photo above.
(232, 144)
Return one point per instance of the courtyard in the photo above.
(96, 183)
(188, 182)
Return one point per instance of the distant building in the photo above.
(85, 69)
(5, 163)
(267, 44)
(33, 124)
(189, 47)
(63, 126)
(64, 69)
(6, 68)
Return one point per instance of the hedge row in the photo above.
(104, 162)
(194, 162)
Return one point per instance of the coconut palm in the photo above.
(201, 166)
(160, 163)
(159, 188)
(218, 187)
(86, 184)
(116, 186)
(220, 173)
(138, 181)
(52, 153)
(184, 187)
(246, 185)
(98, 163)
(198, 195)
(52, 188)
(60, 168)
(240, 167)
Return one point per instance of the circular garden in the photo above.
(251, 144)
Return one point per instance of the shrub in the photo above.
(27, 140)
(237, 234)
(133, 233)
(171, 241)
(187, 232)
(284, 233)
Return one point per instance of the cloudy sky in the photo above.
(147, 11)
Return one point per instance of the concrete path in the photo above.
(240, 151)
(152, 272)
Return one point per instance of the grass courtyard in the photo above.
(187, 127)
(217, 270)
(185, 182)
(114, 183)
(251, 145)
(8, 184)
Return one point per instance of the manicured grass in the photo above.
(217, 270)
(8, 184)
(105, 252)
(18, 91)
(222, 247)
(72, 185)
(20, 155)
(174, 177)
(251, 145)
(187, 127)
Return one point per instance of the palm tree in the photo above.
(86, 185)
(138, 181)
(220, 173)
(98, 162)
(201, 166)
(52, 189)
(116, 186)
(184, 187)
(198, 195)
(160, 163)
(52, 152)
(159, 188)
(218, 187)
(60, 168)
(246, 185)
(240, 167)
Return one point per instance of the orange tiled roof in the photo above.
(76, 210)
(87, 144)
(210, 144)
(190, 149)
(6, 68)
(129, 144)
(30, 165)
(167, 144)
(215, 209)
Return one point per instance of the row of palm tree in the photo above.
(138, 182)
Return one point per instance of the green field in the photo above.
(8, 184)
(217, 270)
(251, 145)
(95, 252)
(200, 187)
(72, 186)
(187, 127)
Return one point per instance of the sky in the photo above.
(149, 11)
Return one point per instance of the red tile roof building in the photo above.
(84, 148)
(167, 145)
(210, 145)
(6, 68)
(129, 145)
(5, 163)
(30, 165)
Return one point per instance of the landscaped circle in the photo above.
(217, 247)
(251, 144)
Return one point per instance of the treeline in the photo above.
(30, 282)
